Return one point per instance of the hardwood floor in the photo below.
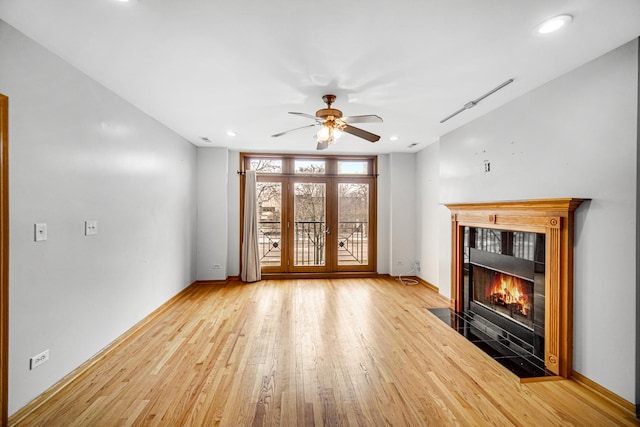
(361, 352)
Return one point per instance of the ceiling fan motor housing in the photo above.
(325, 113)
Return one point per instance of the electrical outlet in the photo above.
(90, 227)
(216, 266)
(487, 166)
(38, 360)
(418, 266)
(40, 231)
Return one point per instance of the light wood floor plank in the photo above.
(349, 352)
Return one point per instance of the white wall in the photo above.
(402, 218)
(383, 244)
(573, 137)
(79, 152)
(213, 189)
(427, 231)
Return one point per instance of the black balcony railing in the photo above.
(310, 240)
(353, 242)
(269, 242)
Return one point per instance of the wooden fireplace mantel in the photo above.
(552, 217)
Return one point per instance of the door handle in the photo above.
(328, 230)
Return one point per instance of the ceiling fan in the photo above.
(333, 124)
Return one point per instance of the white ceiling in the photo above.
(203, 67)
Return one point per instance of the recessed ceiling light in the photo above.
(394, 138)
(231, 133)
(554, 24)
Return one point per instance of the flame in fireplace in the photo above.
(508, 290)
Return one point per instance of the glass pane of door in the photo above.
(269, 195)
(353, 224)
(310, 204)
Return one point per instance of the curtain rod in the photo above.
(312, 174)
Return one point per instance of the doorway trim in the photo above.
(4, 259)
(331, 175)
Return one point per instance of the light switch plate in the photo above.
(90, 227)
(40, 231)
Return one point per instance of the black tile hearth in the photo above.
(483, 335)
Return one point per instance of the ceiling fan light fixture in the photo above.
(325, 133)
(553, 24)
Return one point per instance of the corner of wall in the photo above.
(637, 400)
(383, 214)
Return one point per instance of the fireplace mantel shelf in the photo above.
(552, 217)
(567, 203)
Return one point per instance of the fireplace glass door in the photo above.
(505, 294)
(504, 285)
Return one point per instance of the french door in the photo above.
(317, 222)
(308, 225)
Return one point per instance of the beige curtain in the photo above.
(250, 255)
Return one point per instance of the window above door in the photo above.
(290, 164)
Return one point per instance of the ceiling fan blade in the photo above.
(309, 116)
(292, 130)
(361, 133)
(367, 118)
(322, 145)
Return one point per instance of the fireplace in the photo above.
(504, 294)
(504, 287)
(512, 274)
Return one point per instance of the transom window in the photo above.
(309, 165)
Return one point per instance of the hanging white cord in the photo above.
(408, 282)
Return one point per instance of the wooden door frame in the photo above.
(289, 217)
(4, 260)
(287, 164)
(372, 226)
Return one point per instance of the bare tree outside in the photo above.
(353, 223)
(266, 165)
(269, 198)
(310, 207)
(269, 202)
